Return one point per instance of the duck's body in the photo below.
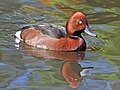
(53, 37)
(49, 36)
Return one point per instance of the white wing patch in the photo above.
(42, 46)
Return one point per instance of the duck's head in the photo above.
(76, 24)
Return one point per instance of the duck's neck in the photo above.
(77, 35)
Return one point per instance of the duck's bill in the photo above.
(89, 31)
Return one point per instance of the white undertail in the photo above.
(17, 35)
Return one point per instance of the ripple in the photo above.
(103, 27)
(98, 9)
(3, 64)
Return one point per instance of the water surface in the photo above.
(27, 68)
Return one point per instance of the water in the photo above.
(28, 68)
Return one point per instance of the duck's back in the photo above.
(49, 29)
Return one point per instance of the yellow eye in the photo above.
(80, 22)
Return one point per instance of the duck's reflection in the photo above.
(73, 73)
(47, 54)
(71, 70)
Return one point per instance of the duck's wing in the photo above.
(52, 30)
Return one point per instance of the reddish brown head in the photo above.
(77, 24)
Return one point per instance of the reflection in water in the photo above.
(71, 70)
(47, 54)
(73, 73)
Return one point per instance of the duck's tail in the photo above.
(17, 36)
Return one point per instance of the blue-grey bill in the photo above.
(89, 31)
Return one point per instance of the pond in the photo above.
(28, 68)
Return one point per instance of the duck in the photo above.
(56, 37)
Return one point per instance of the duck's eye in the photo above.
(80, 22)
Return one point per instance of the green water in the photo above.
(28, 68)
